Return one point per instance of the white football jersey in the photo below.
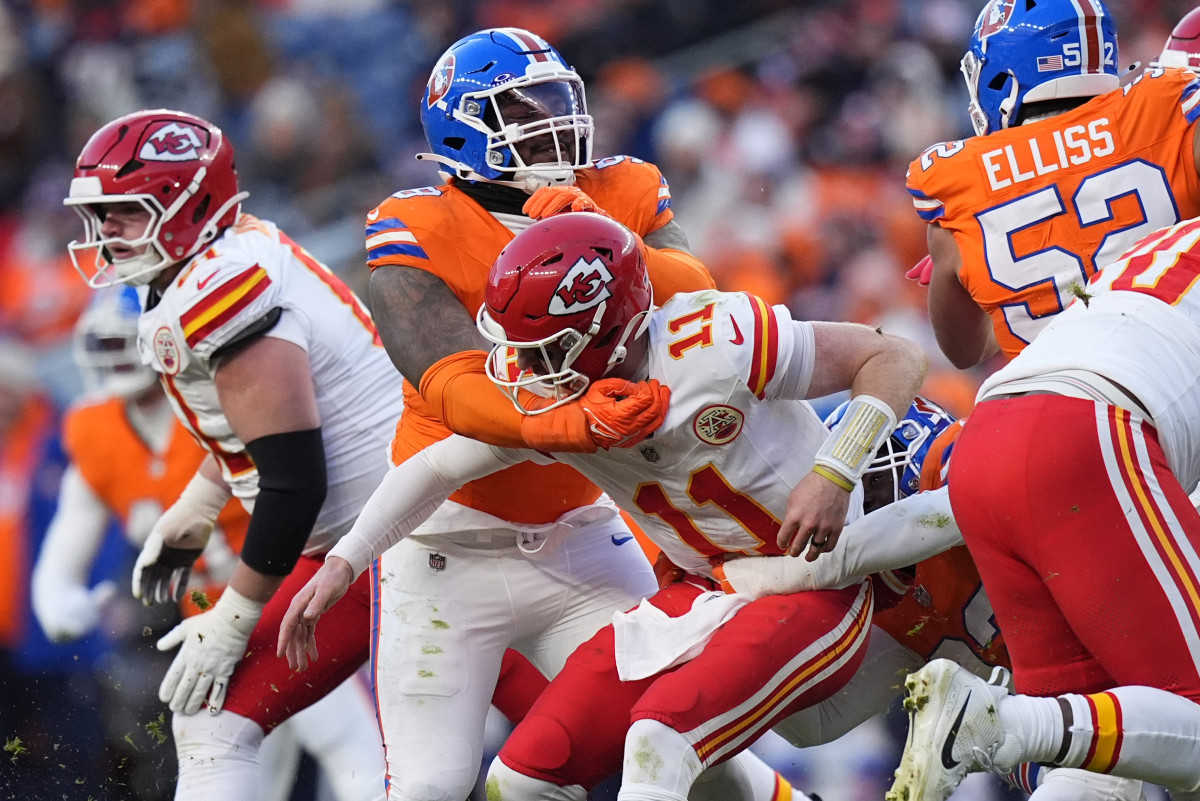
(253, 277)
(1140, 328)
(716, 476)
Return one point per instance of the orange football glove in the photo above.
(623, 413)
(667, 572)
(551, 200)
(921, 272)
(722, 582)
(613, 413)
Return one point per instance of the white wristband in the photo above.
(238, 611)
(851, 446)
(205, 497)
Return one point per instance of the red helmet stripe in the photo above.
(528, 41)
(1091, 35)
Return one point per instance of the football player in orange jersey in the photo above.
(1067, 171)
(662, 694)
(129, 459)
(506, 121)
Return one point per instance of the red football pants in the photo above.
(777, 655)
(1086, 543)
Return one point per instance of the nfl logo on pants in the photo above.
(437, 561)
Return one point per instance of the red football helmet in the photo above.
(178, 167)
(568, 293)
(1182, 48)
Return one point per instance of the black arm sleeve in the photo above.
(291, 489)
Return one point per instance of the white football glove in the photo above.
(212, 643)
(71, 611)
(176, 541)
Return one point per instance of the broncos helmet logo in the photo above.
(996, 17)
(440, 80)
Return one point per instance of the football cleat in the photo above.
(953, 729)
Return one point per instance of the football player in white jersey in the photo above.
(740, 465)
(1070, 485)
(276, 369)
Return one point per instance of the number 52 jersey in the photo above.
(1039, 208)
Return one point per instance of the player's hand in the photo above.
(298, 631)
(667, 572)
(161, 572)
(922, 271)
(210, 646)
(551, 200)
(71, 611)
(815, 515)
(613, 413)
(623, 413)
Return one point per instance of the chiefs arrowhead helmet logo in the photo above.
(585, 286)
(175, 141)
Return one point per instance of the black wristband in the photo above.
(292, 484)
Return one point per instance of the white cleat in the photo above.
(953, 729)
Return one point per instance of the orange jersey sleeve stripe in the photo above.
(766, 346)
(1107, 733)
(223, 304)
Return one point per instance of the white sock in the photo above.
(1033, 731)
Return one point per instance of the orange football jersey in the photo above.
(123, 472)
(945, 612)
(443, 231)
(1037, 209)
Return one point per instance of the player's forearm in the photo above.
(899, 535)
(410, 493)
(894, 375)
(895, 536)
(74, 536)
(469, 403)
(252, 584)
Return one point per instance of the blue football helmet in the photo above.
(1025, 52)
(105, 344)
(904, 452)
(502, 105)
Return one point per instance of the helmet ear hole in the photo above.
(128, 167)
(201, 210)
(998, 81)
(606, 340)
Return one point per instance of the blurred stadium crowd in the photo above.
(784, 128)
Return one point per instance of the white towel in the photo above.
(648, 641)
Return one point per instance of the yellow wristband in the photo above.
(837, 478)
